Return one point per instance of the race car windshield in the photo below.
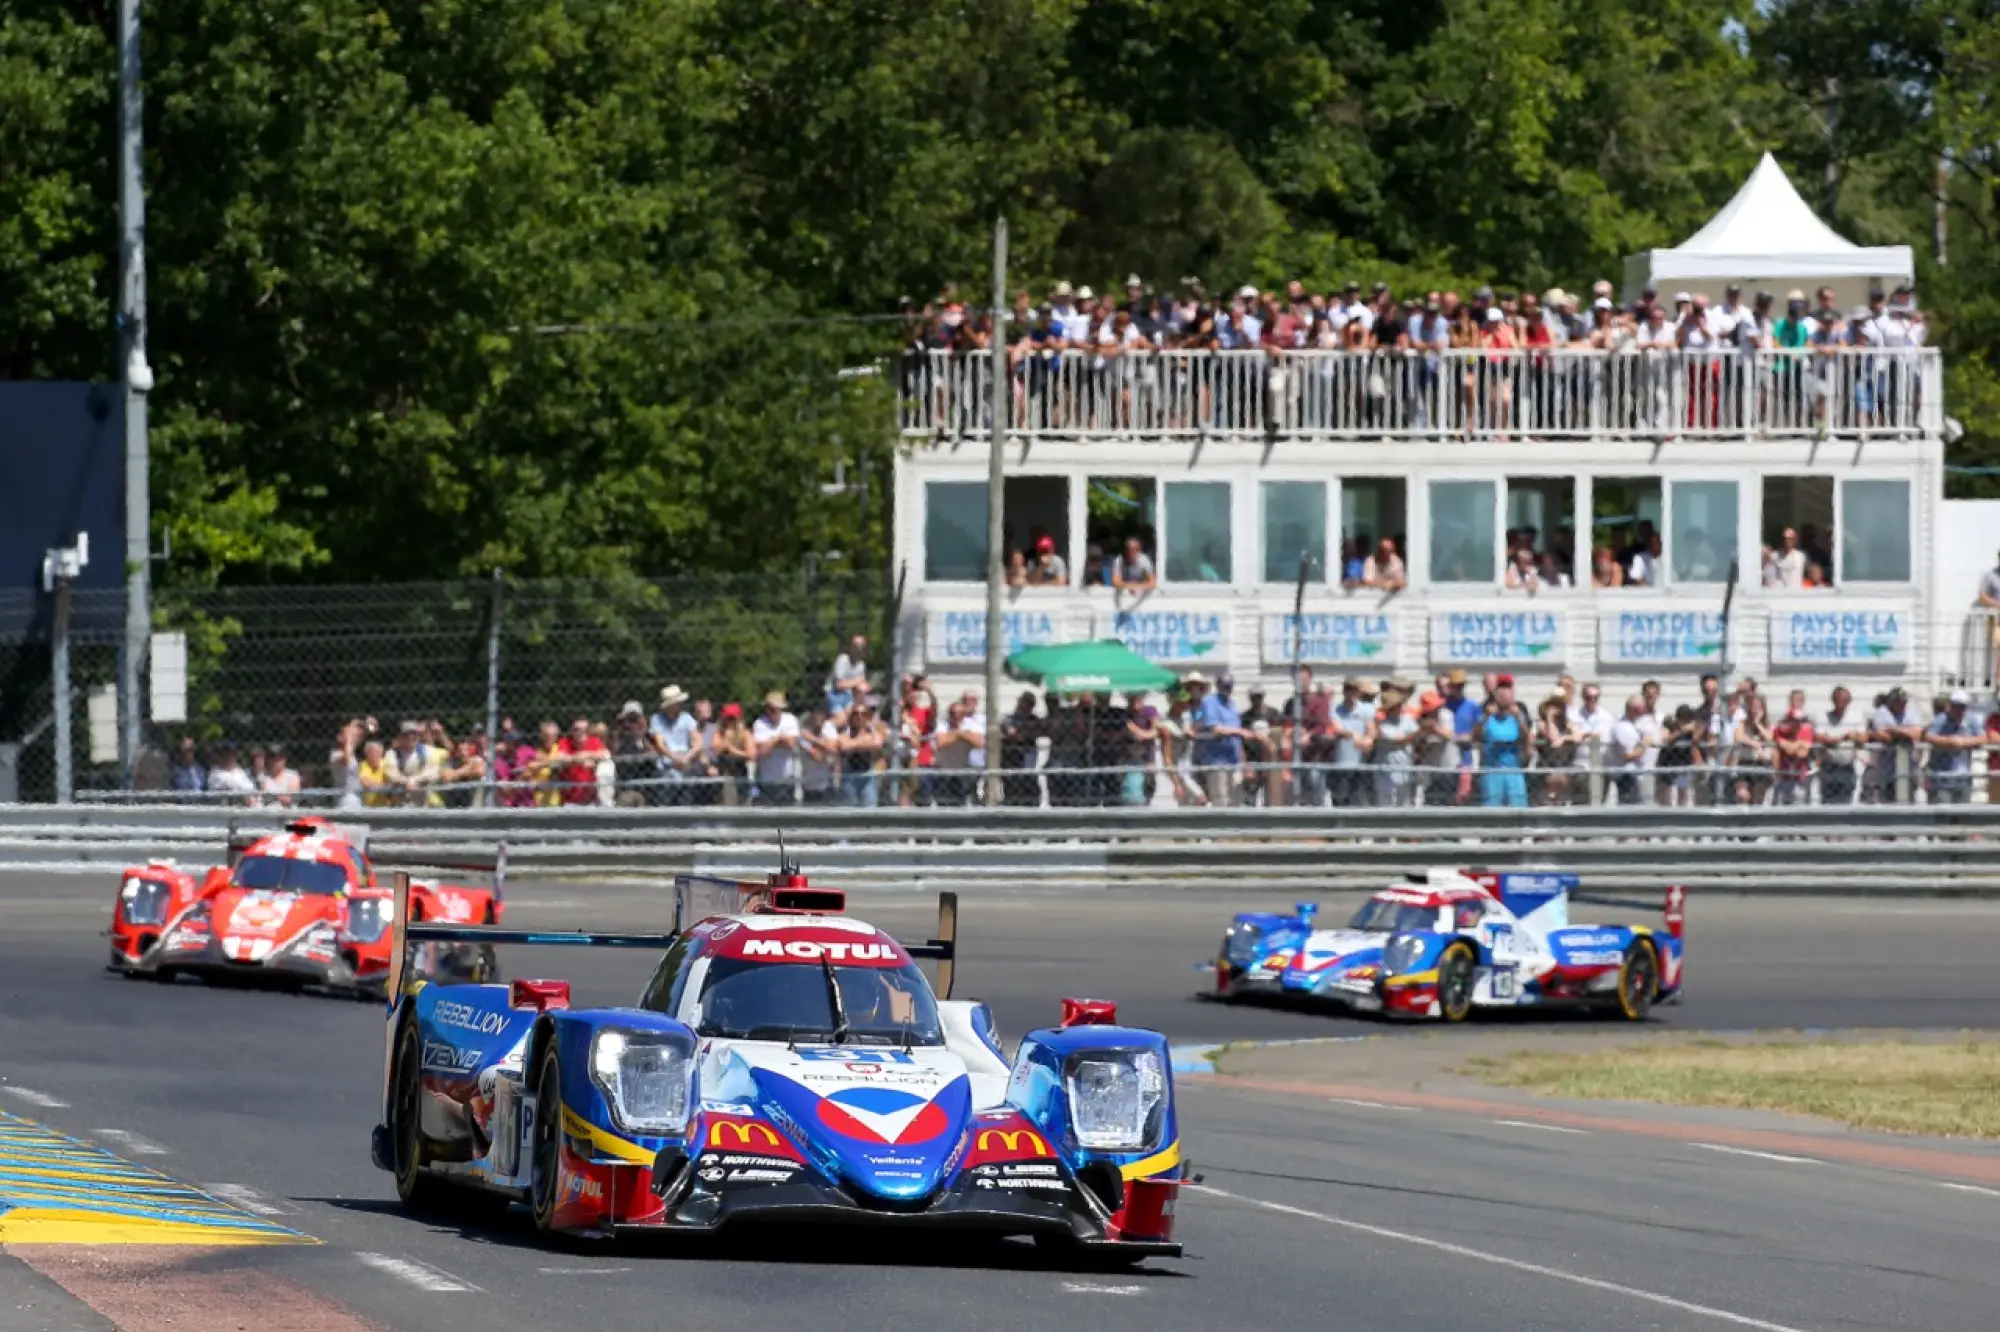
(1393, 917)
(292, 876)
(777, 1001)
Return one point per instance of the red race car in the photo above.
(301, 907)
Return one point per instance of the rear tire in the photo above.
(1457, 972)
(1638, 981)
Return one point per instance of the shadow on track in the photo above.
(493, 1221)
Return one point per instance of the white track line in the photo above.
(247, 1198)
(1370, 1105)
(130, 1142)
(421, 1275)
(1086, 1288)
(581, 1271)
(1546, 1128)
(1969, 1188)
(1762, 1156)
(41, 1100)
(1498, 1260)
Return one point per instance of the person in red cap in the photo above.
(1049, 569)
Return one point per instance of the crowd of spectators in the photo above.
(1363, 743)
(1081, 360)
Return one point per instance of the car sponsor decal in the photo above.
(484, 1022)
(736, 1140)
(883, 1114)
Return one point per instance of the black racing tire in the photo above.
(414, 1185)
(1638, 981)
(1457, 973)
(546, 1152)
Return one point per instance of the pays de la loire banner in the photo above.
(1512, 638)
(1840, 637)
(1170, 636)
(1645, 637)
(960, 636)
(1331, 638)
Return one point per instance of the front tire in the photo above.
(413, 1186)
(547, 1150)
(1638, 981)
(1457, 971)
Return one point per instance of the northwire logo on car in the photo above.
(468, 1018)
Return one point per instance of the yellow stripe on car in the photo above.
(605, 1144)
(1152, 1165)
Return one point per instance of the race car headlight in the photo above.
(1403, 954)
(1117, 1099)
(367, 918)
(647, 1077)
(1239, 943)
(144, 902)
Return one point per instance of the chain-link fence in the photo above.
(284, 669)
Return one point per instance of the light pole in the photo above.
(59, 566)
(138, 377)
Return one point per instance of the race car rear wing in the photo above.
(690, 892)
(1673, 908)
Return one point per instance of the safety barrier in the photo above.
(1853, 850)
(1137, 391)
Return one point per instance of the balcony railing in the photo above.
(1849, 392)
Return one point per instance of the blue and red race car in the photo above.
(1456, 941)
(786, 1061)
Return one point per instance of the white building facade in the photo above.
(1232, 466)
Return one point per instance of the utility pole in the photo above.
(138, 377)
(59, 566)
(1001, 401)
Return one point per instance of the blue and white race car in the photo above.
(786, 1061)
(1456, 941)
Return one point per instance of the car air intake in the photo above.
(806, 902)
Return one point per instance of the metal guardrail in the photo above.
(1940, 850)
(1666, 393)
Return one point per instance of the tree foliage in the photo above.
(559, 286)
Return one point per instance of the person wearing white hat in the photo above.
(676, 738)
(1953, 734)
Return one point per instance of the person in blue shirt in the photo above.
(1465, 712)
(1218, 732)
(1501, 735)
(185, 772)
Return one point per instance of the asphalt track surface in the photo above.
(1334, 1215)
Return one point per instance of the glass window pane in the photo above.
(1198, 531)
(1462, 532)
(1294, 520)
(1875, 535)
(1704, 532)
(955, 531)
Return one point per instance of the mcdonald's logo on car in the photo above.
(1011, 1139)
(743, 1133)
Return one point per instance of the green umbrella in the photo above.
(1101, 667)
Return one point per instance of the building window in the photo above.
(1875, 531)
(1035, 514)
(1372, 509)
(1116, 508)
(1802, 506)
(1626, 537)
(955, 531)
(1197, 531)
(1462, 545)
(1703, 537)
(1541, 533)
(1294, 521)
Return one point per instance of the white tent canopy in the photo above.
(1767, 235)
